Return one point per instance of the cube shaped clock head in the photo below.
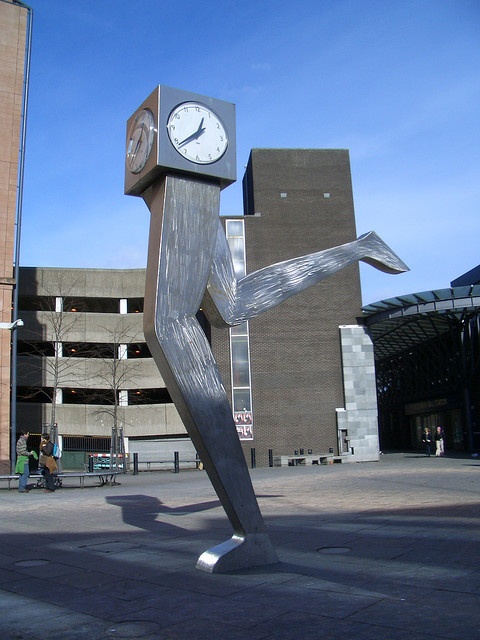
(181, 133)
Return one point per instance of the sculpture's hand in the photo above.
(194, 136)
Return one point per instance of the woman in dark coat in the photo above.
(48, 463)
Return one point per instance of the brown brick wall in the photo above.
(12, 52)
(295, 349)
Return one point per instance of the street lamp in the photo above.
(11, 325)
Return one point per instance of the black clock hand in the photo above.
(132, 154)
(194, 136)
(139, 141)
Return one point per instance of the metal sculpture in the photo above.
(190, 266)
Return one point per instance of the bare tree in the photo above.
(117, 374)
(46, 363)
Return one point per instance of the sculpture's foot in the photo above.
(240, 552)
(379, 255)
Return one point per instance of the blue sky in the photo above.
(395, 82)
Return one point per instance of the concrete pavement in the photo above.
(386, 550)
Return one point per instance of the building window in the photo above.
(88, 396)
(148, 396)
(36, 348)
(35, 395)
(240, 342)
(91, 305)
(138, 350)
(88, 350)
(240, 361)
(135, 305)
(36, 303)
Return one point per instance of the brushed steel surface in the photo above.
(189, 261)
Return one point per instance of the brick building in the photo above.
(298, 201)
(14, 27)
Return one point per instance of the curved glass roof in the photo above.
(401, 323)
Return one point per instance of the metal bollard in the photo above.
(135, 464)
(176, 462)
(90, 464)
(270, 457)
(253, 457)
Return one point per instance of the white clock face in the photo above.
(197, 133)
(140, 140)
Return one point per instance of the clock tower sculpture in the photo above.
(180, 153)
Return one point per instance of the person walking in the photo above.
(439, 442)
(22, 466)
(48, 463)
(427, 441)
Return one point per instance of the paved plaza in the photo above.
(387, 550)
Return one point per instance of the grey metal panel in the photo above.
(188, 253)
(164, 158)
(183, 234)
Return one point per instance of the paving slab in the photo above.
(386, 550)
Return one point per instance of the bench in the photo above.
(105, 477)
(295, 460)
(150, 462)
(192, 463)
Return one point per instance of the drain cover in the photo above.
(31, 563)
(132, 629)
(334, 550)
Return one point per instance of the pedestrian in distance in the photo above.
(47, 461)
(22, 466)
(439, 442)
(427, 441)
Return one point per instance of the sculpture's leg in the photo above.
(230, 302)
(184, 219)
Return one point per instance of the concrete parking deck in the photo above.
(386, 550)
